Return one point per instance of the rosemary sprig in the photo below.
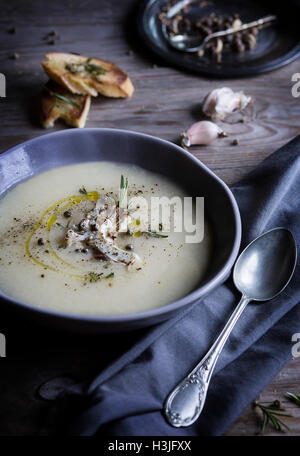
(155, 234)
(293, 397)
(271, 414)
(83, 191)
(123, 192)
(60, 97)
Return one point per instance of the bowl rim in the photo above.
(167, 308)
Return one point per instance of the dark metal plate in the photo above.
(277, 45)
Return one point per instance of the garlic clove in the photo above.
(224, 101)
(201, 133)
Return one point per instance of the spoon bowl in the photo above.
(265, 267)
(184, 43)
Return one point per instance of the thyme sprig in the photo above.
(271, 414)
(293, 397)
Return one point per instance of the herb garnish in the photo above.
(27, 224)
(106, 265)
(157, 235)
(83, 191)
(270, 414)
(65, 99)
(110, 276)
(123, 192)
(293, 397)
(94, 277)
(62, 226)
(87, 66)
(160, 227)
(95, 69)
(75, 67)
(62, 246)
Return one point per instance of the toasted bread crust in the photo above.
(52, 108)
(114, 82)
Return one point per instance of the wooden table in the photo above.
(165, 102)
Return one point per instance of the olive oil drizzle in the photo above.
(75, 199)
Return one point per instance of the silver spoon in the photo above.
(188, 43)
(261, 272)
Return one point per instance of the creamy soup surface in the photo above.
(36, 266)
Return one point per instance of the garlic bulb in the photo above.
(201, 133)
(224, 101)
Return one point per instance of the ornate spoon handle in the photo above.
(185, 403)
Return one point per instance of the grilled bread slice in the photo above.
(58, 103)
(87, 76)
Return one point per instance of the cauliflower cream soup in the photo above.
(72, 240)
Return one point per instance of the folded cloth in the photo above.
(126, 398)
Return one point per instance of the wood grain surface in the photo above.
(165, 102)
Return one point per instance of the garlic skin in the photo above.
(224, 101)
(201, 133)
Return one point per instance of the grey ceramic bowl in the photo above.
(75, 146)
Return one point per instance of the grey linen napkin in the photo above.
(126, 398)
